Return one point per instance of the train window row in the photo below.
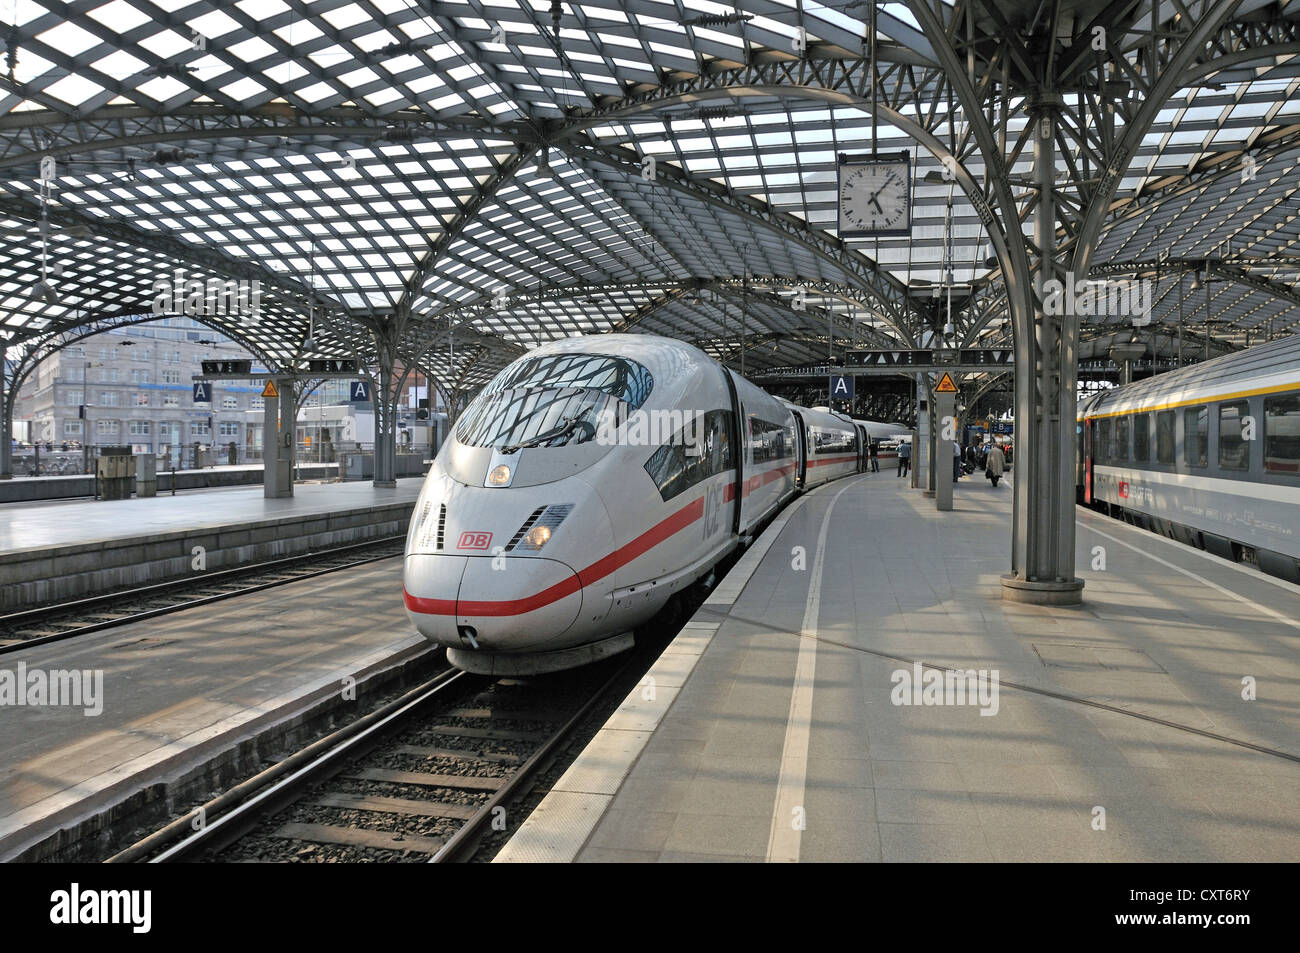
(827, 440)
(1129, 438)
(769, 441)
(675, 471)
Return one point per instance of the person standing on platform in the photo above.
(874, 450)
(994, 464)
(904, 458)
(956, 461)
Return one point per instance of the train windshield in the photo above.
(552, 401)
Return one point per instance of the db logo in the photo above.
(474, 541)
(1123, 489)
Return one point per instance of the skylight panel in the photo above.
(213, 25)
(345, 17)
(244, 89)
(118, 16)
(73, 90)
(119, 65)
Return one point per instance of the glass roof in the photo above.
(467, 175)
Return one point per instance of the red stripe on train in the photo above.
(602, 567)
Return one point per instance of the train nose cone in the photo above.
(503, 603)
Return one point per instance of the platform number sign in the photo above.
(359, 392)
(841, 387)
(202, 392)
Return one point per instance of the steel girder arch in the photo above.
(134, 126)
(465, 216)
(1042, 560)
(888, 295)
(44, 344)
(1213, 266)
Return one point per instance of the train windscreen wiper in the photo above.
(563, 430)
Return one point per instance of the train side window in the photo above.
(674, 470)
(1101, 446)
(1121, 448)
(1234, 452)
(1166, 439)
(1282, 433)
(1141, 438)
(1196, 435)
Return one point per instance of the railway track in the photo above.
(44, 624)
(420, 779)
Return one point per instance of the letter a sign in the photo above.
(359, 392)
(202, 392)
(841, 387)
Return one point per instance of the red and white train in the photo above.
(588, 483)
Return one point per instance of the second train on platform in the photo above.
(591, 481)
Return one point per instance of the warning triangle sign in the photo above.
(946, 386)
(270, 391)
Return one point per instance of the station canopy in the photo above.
(452, 183)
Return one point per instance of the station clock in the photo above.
(875, 194)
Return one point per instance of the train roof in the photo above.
(1274, 366)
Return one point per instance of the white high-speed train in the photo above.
(588, 483)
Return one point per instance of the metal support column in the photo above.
(945, 419)
(385, 405)
(8, 397)
(1043, 534)
(278, 426)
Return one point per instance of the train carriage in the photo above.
(1209, 455)
(591, 481)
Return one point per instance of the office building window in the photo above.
(199, 428)
(171, 400)
(72, 428)
(229, 428)
(171, 377)
(107, 427)
(108, 398)
(138, 428)
(230, 403)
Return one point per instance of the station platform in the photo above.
(69, 550)
(189, 698)
(783, 724)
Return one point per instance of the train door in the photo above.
(802, 437)
(864, 448)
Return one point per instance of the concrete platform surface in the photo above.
(179, 688)
(78, 523)
(1160, 721)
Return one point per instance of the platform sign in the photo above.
(226, 367)
(270, 390)
(359, 392)
(919, 359)
(202, 392)
(333, 365)
(841, 387)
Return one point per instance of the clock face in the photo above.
(875, 198)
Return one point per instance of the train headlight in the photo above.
(536, 537)
(539, 528)
(499, 475)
